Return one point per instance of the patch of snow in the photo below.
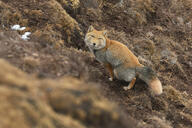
(18, 27)
(15, 27)
(25, 35)
(22, 28)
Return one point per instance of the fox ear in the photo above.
(105, 33)
(91, 28)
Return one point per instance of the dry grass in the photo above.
(158, 32)
(46, 103)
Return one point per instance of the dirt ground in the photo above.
(158, 32)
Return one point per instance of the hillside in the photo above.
(158, 32)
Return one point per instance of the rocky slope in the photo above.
(158, 32)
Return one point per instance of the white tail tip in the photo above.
(156, 86)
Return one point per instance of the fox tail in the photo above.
(150, 77)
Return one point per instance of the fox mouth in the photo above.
(91, 45)
(95, 47)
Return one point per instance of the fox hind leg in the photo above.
(131, 84)
(110, 70)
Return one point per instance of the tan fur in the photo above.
(122, 52)
(156, 86)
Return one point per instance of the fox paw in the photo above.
(126, 88)
(110, 79)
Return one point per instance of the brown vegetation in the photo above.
(158, 32)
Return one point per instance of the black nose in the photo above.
(94, 44)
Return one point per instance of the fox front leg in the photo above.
(131, 84)
(110, 70)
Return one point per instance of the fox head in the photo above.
(94, 39)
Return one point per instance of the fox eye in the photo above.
(100, 38)
(91, 36)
